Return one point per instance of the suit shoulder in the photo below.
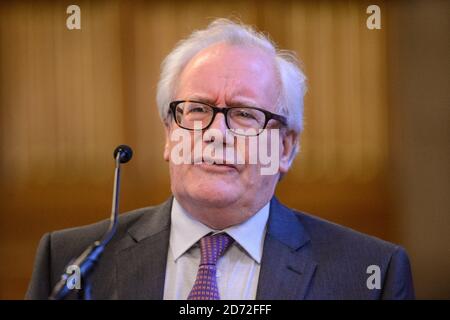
(326, 232)
(92, 232)
(343, 256)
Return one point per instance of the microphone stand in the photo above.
(87, 261)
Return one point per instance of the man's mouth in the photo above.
(218, 165)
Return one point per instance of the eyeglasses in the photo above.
(247, 121)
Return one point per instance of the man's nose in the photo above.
(219, 123)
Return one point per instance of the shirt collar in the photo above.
(185, 231)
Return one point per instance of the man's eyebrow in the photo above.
(200, 99)
(235, 102)
(239, 102)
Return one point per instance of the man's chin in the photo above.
(213, 197)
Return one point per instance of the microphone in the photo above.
(87, 261)
(125, 153)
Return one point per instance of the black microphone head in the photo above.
(126, 153)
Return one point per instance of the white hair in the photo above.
(292, 79)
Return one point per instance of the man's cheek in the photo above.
(246, 151)
(180, 147)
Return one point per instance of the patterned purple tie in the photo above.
(205, 286)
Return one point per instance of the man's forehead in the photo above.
(238, 74)
(243, 55)
(233, 95)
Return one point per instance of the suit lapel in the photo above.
(141, 256)
(287, 267)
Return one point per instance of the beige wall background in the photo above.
(375, 150)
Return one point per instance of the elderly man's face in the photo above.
(225, 75)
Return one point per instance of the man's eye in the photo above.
(196, 109)
(245, 114)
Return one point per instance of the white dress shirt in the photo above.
(237, 270)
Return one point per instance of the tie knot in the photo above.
(212, 247)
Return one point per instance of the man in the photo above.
(223, 234)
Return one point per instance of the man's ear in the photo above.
(166, 154)
(288, 144)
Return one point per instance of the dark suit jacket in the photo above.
(304, 258)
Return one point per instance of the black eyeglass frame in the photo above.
(268, 115)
